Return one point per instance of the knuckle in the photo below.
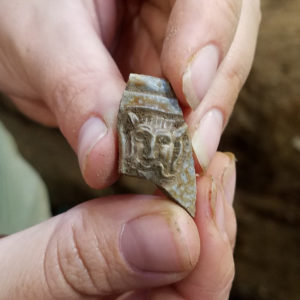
(221, 272)
(78, 266)
(92, 260)
(68, 93)
(227, 283)
(231, 10)
(57, 275)
(63, 94)
(225, 276)
(102, 265)
(236, 74)
(66, 269)
(228, 276)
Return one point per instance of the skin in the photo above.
(76, 255)
(63, 62)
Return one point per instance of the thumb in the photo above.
(68, 67)
(85, 99)
(86, 107)
(100, 248)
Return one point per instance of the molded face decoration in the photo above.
(156, 145)
(153, 139)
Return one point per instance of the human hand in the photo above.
(62, 64)
(106, 248)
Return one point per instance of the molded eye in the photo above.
(139, 135)
(163, 140)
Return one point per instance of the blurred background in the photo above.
(264, 133)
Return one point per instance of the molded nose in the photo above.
(151, 154)
(151, 151)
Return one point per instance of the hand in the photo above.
(105, 248)
(62, 64)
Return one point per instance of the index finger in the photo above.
(202, 29)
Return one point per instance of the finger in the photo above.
(100, 248)
(85, 98)
(213, 72)
(70, 68)
(223, 169)
(143, 32)
(200, 32)
(36, 110)
(209, 119)
(213, 275)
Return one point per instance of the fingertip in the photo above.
(215, 269)
(166, 241)
(198, 37)
(218, 164)
(206, 137)
(92, 131)
(190, 234)
(199, 74)
(223, 168)
(98, 160)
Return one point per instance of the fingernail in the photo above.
(229, 178)
(206, 138)
(158, 243)
(217, 206)
(136, 295)
(92, 131)
(199, 74)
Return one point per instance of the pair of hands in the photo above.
(63, 64)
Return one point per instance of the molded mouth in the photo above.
(158, 165)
